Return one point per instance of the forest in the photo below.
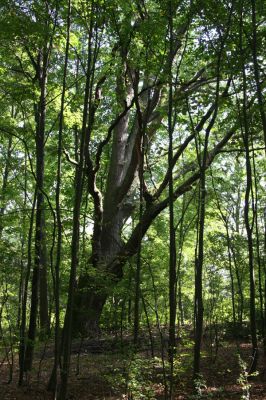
(132, 199)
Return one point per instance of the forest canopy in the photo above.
(132, 180)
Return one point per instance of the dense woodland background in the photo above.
(132, 215)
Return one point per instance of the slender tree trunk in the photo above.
(179, 263)
(231, 274)
(141, 199)
(258, 253)
(129, 305)
(67, 334)
(22, 343)
(250, 258)
(53, 379)
(137, 298)
(248, 225)
(79, 180)
(239, 285)
(148, 324)
(23, 243)
(165, 382)
(40, 112)
(198, 282)
(199, 310)
(263, 120)
(172, 243)
(43, 288)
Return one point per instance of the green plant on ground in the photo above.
(199, 386)
(135, 377)
(243, 379)
(139, 379)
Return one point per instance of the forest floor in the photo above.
(106, 369)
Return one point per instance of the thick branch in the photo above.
(131, 246)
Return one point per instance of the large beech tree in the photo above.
(142, 82)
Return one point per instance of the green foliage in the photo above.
(244, 378)
(136, 378)
(127, 53)
(199, 385)
(139, 379)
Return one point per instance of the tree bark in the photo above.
(43, 288)
(79, 182)
(40, 116)
(249, 227)
(172, 244)
(53, 382)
